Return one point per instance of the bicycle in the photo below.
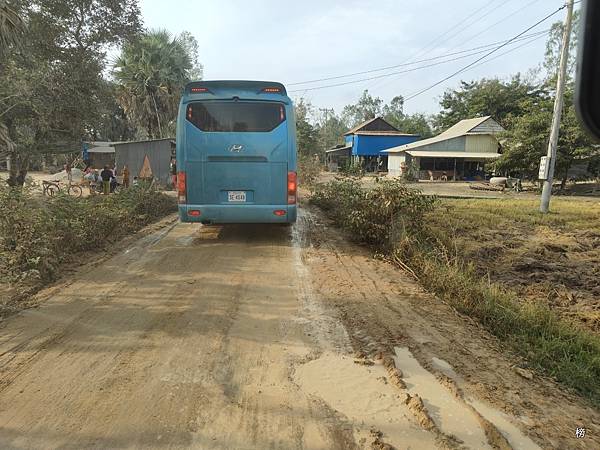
(51, 188)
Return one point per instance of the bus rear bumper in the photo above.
(238, 213)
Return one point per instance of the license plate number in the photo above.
(236, 196)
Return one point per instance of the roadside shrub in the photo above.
(38, 234)
(352, 169)
(377, 216)
(308, 170)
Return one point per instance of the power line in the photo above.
(304, 90)
(487, 28)
(486, 46)
(471, 24)
(456, 25)
(504, 19)
(410, 97)
(446, 38)
(507, 52)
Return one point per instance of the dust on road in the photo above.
(256, 337)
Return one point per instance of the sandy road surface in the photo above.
(257, 337)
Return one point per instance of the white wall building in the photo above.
(459, 153)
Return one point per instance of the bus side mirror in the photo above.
(587, 98)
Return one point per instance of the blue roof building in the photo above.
(364, 143)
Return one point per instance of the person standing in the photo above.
(106, 175)
(125, 176)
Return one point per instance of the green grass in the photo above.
(565, 214)
(550, 344)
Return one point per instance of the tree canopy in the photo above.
(364, 109)
(527, 139)
(52, 90)
(306, 133)
(486, 97)
(151, 73)
(12, 27)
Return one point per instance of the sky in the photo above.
(296, 41)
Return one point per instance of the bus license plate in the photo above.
(236, 196)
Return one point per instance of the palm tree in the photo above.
(11, 27)
(152, 72)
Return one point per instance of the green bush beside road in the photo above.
(38, 235)
(401, 223)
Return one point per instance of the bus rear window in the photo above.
(235, 116)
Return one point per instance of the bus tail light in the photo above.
(292, 183)
(279, 212)
(181, 189)
(194, 213)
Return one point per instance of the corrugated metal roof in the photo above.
(462, 128)
(383, 133)
(94, 144)
(366, 123)
(336, 149)
(144, 140)
(360, 125)
(450, 154)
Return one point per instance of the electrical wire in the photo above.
(433, 43)
(446, 38)
(381, 69)
(468, 66)
(486, 29)
(304, 90)
(506, 52)
(504, 19)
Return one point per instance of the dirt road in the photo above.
(257, 337)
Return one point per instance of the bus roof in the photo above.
(228, 88)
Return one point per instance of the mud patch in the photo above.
(361, 394)
(501, 421)
(449, 414)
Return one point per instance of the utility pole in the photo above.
(558, 106)
(325, 126)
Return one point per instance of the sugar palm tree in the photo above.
(11, 27)
(151, 73)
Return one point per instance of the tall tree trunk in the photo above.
(8, 148)
(563, 182)
(18, 169)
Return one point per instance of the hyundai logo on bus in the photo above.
(236, 148)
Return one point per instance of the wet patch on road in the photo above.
(363, 394)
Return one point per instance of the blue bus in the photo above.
(236, 153)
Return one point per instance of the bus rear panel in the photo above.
(236, 153)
